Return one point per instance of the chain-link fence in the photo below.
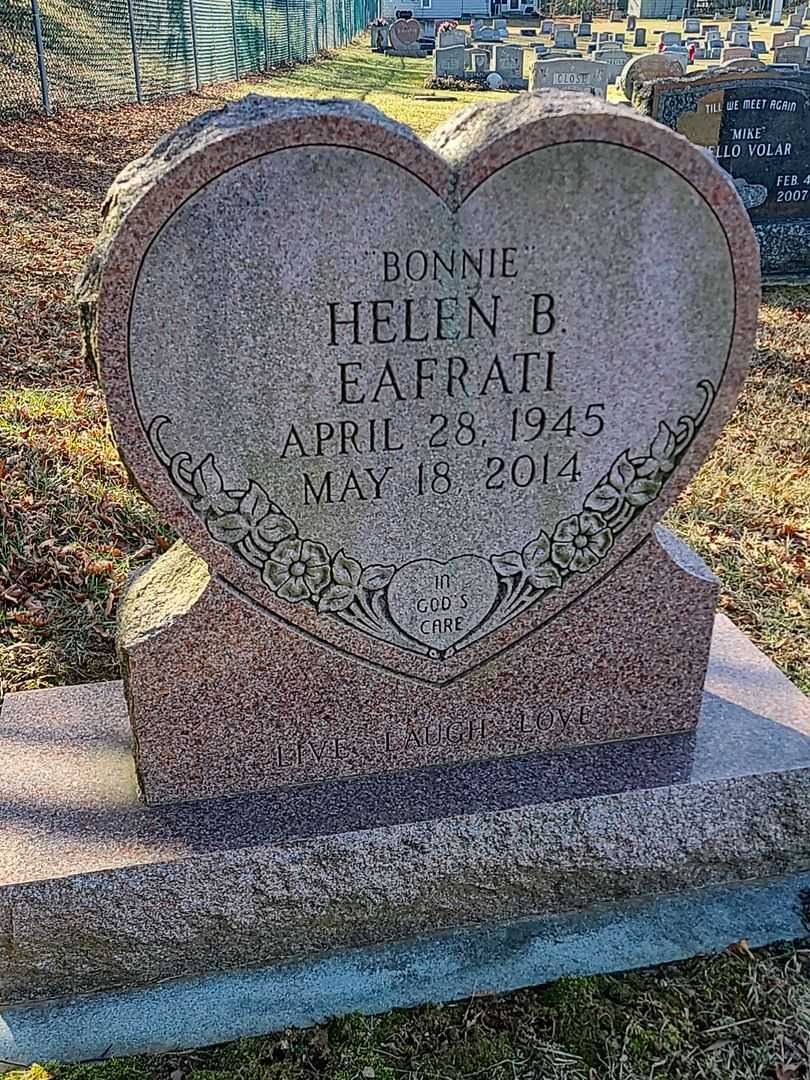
(57, 54)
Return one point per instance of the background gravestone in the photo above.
(615, 58)
(786, 37)
(564, 38)
(757, 124)
(647, 67)
(398, 455)
(509, 65)
(585, 76)
(446, 38)
(404, 37)
(449, 61)
(737, 53)
(486, 33)
(791, 54)
(479, 61)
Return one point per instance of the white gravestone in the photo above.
(509, 63)
(449, 61)
(446, 38)
(479, 61)
(586, 76)
(564, 38)
(615, 59)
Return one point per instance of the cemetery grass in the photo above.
(72, 528)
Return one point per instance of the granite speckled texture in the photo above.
(216, 1008)
(223, 699)
(97, 890)
(417, 491)
(235, 400)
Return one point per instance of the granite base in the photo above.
(185, 1013)
(99, 892)
(225, 700)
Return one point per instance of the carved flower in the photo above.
(297, 569)
(580, 541)
(532, 563)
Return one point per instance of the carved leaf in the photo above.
(255, 503)
(536, 551)
(508, 564)
(228, 529)
(663, 445)
(336, 598)
(643, 491)
(206, 478)
(374, 578)
(272, 529)
(622, 472)
(604, 499)
(346, 571)
(254, 555)
(546, 577)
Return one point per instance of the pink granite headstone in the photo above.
(417, 491)
(404, 36)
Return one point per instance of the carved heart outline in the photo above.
(452, 176)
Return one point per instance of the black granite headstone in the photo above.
(757, 125)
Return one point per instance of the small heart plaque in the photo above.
(415, 400)
(439, 604)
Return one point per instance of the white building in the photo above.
(436, 11)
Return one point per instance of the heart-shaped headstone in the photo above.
(521, 362)
(404, 33)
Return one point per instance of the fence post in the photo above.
(264, 34)
(40, 44)
(194, 44)
(235, 42)
(317, 20)
(306, 38)
(136, 66)
(289, 44)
